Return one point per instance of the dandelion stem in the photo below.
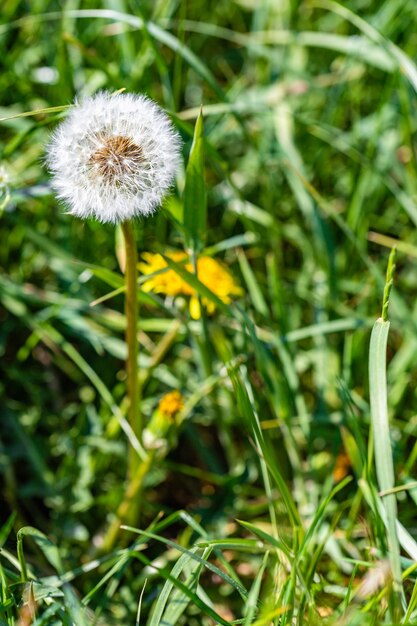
(132, 314)
(128, 504)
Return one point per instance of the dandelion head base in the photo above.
(116, 158)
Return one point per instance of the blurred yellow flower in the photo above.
(171, 404)
(210, 272)
(161, 432)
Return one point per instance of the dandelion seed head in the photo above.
(114, 157)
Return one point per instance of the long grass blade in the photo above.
(381, 430)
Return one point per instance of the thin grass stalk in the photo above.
(202, 342)
(21, 558)
(382, 443)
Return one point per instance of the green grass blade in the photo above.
(404, 63)
(383, 451)
(381, 430)
(75, 610)
(252, 284)
(138, 614)
(6, 529)
(194, 556)
(49, 549)
(195, 202)
(162, 601)
(252, 603)
(319, 516)
(267, 538)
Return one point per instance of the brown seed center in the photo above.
(116, 157)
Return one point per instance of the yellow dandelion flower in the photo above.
(171, 404)
(210, 272)
(165, 281)
(161, 432)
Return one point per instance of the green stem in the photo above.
(129, 502)
(21, 557)
(128, 510)
(132, 314)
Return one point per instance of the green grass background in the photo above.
(310, 123)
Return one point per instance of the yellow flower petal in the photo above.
(195, 310)
(211, 273)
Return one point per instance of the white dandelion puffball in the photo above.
(114, 157)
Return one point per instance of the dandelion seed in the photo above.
(375, 579)
(114, 157)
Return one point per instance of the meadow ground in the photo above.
(274, 483)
